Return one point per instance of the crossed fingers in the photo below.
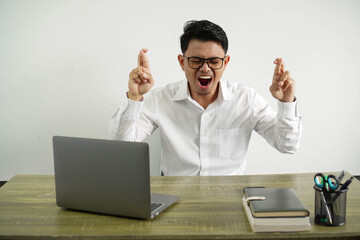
(142, 73)
(282, 87)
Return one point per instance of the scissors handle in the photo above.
(333, 182)
(318, 179)
(326, 182)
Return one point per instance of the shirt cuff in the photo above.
(288, 109)
(133, 109)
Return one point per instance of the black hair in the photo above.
(203, 30)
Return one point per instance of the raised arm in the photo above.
(129, 122)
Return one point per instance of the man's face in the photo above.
(204, 81)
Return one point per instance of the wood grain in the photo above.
(209, 208)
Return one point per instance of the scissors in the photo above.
(326, 182)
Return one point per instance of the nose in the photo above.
(205, 66)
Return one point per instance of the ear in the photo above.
(226, 60)
(181, 60)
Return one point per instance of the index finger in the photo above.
(143, 60)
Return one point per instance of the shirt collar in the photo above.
(224, 94)
(182, 92)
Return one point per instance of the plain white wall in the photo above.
(65, 64)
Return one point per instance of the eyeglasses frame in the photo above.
(207, 62)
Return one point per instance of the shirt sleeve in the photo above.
(282, 130)
(129, 123)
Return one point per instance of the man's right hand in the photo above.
(140, 79)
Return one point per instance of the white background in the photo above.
(64, 66)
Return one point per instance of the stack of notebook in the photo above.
(275, 210)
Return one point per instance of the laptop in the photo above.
(105, 176)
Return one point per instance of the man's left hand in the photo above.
(283, 86)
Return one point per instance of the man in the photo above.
(205, 122)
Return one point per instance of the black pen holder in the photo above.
(330, 207)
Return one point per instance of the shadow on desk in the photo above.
(2, 183)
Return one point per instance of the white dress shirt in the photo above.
(211, 141)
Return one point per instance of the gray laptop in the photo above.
(105, 176)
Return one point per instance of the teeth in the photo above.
(205, 77)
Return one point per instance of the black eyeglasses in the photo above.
(197, 62)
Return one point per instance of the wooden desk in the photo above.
(209, 208)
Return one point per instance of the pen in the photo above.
(343, 187)
(326, 207)
(341, 176)
(346, 184)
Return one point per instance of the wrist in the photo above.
(293, 99)
(134, 97)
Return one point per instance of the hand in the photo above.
(283, 86)
(140, 78)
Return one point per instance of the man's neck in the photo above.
(206, 99)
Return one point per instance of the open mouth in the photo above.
(204, 81)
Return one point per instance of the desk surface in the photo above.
(209, 208)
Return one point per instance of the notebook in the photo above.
(276, 224)
(105, 176)
(275, 202)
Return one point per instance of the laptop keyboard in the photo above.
(155, 206)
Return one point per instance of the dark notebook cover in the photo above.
(279, 202)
